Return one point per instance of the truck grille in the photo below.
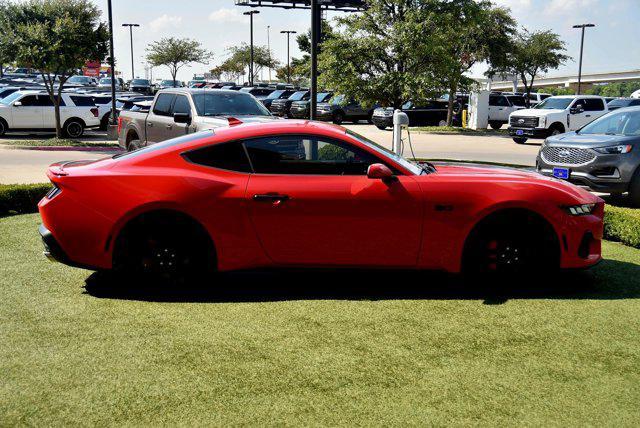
(523, 122)
(566, 155)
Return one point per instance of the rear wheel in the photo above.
(519, 140)
(495, 125)
(73, 128)
(381, 127)
(634, 189)
(338, 117)
(3, 127)
(134, 145)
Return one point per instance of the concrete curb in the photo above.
(66, 148)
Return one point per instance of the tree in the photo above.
(300, 71)
(469, 32)
(56, 37)
(239, 59)
(532, 53)
(176, 53)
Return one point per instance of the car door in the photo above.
(578, 118)
(27, 114)
(593, 108)
(312, 203)
(181, 105)
(499, 108)
(160, 122)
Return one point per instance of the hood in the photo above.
(224, 120)
(495, 175)
(588, 141)
(535, 112)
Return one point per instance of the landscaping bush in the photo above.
(623, 225)
(21, 198)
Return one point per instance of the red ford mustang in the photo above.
(299, 193)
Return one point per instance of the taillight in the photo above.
(55, 191)
(95, 112)
(234, 121)
(119, 124)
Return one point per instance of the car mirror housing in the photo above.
(577, 109)
(380, 171)
(182, 118)
(17, 104)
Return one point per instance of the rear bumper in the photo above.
(54, 252)
(386, 122)
(529, 132)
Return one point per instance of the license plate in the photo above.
(519, 132)
(562, 173)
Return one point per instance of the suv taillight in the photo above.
(119, 124)
(95, 112)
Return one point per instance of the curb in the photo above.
(67, 148)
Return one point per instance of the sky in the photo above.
(611, 46)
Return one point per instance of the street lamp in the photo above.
(288, 33)
(112, 120)
(133, 76)
(251, 13)
(269, 49)
(582, 26)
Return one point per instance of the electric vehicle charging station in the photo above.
(479, 109)
(400, 122)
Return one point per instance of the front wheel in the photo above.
(3, 127)
(519, 140)
(134, 145)
(495, 125)
(338, 118)
(381, 127)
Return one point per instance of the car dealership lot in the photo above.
(29, 166)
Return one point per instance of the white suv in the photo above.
(34, 111)
(501, 106)
(556, 115)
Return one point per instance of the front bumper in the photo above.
(582, 240)
(382, 121)
(326, 115)
(278, 109)
(299, 114)
(529, 132)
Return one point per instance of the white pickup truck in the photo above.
(180, 111)
(555, 115)
(34, 111)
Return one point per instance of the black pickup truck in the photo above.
(281, 107)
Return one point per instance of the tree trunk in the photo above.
(56, 106)
(452, 98)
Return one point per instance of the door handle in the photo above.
(150, 124)
(588, 115)
(271, 197)
(169, 126)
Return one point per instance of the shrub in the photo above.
(623, 225)
(21, 198)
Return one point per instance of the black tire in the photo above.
(495, 125)
(3, 127)
(168, 248)
(519, 140)
(338, 117)
(104, 122)
(370, 118)
(134, 145)
(509, 243)
(555, 129)
(634, 190)
(381, 127)
(73, 128)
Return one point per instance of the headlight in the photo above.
(542, 122)
(583, 209)
(614, 150)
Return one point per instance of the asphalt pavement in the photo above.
(30, 166)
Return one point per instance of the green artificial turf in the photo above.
(315, 348)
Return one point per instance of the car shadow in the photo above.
(608, 281)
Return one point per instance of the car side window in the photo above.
(181, 105)
(162, 106)
(593, 104)
(307, 155)
(83, 101)
(229, 156)
(29, 101)
(45, 101)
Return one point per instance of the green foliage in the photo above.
(56, 37)
(623, 225)
(559, 91)
(331, 152)
(239, 59)
(176, 53)
(619, 89)
(530, 54)
(21, 198)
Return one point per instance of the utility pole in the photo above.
(269, 49)
(288, 33)
(133, 76)
(251, 13)
(581, 26)
(112, 65)
(316, 21)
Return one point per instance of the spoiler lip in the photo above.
(58, 168)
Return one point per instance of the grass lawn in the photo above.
(299, 348)
(458, 130)
(58, 142)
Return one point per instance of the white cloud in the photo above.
(556, 7)
(227, 15)
(165, 22)
(514, 4)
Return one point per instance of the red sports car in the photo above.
(308, 194)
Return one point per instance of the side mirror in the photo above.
(577, 109)
(182, 118)
(17, 104)
(380, 171)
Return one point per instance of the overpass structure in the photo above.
(570, 81)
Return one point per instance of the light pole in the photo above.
(251, 13)
(582, 26)
(288, 33)
(112, 65)
(133, 76)
(269, 49)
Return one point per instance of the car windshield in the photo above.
(298, 96)
(106, 81)
(337, 99)
(275, 94)
(621, 122)
(139, 82)
(411, 166)
(619, 103)
(320, 97)
(79, 79)
(553, 103)
(167, 82)
(10, 98)
(228, 104)
(517, 100)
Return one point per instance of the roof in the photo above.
(576, 96)
(199, 91)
